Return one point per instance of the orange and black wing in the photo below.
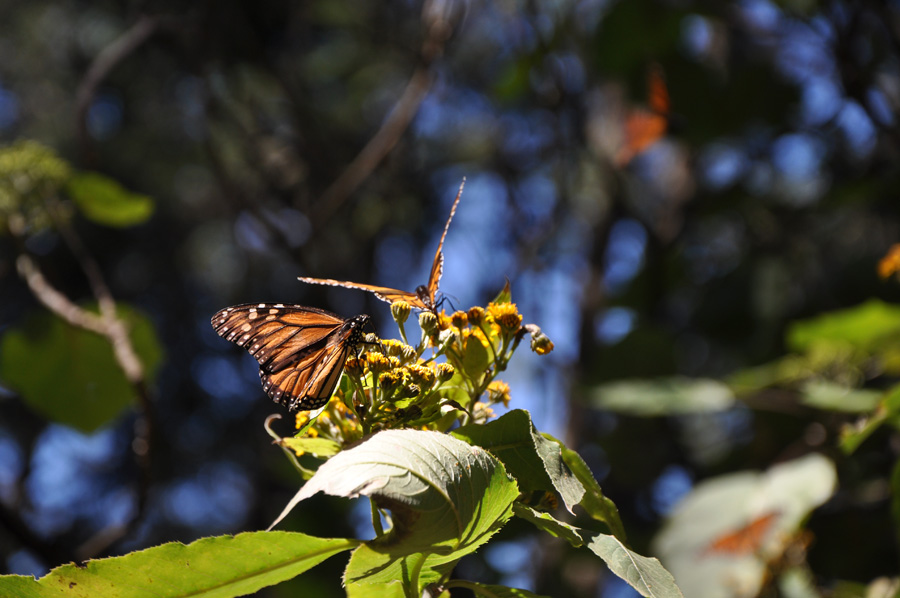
(384, 293)
(437, 266)
(425, 295)
(300, 350)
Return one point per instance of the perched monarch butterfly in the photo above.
(746, 540)
(425, 295)
(301, 350)
(645, 127)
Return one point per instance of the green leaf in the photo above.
(888, 408)
(644, 574)
(447, 498)
(549, 524)
(70, 375)
(535, 461)
(106, 202)
(861, 327)
(475, 359)
(723, 506)
(218, 567)
(824, 394)
(663, 396)
(320, 447)
(597, 505)
(505, 294)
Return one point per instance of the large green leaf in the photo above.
(70, 375)
(106, 202)
(536, 462)
(447, 498)
(774, 503)
(218, 567)
(663, 396)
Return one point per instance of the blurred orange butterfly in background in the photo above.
(645, 127)
(301, 350)
(746, 540)
(424, 296)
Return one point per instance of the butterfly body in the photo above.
(425, 296)
(301, 350)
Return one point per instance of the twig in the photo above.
(104, 63)
(435, 16)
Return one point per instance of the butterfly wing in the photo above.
(300, 350)
(437, 266)
(384, 293)
(644, 127)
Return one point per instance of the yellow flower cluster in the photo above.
(393, 384)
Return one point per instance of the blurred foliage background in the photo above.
(328, 139)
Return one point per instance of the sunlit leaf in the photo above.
(475, 359)
(321, 447)
(70, 375)
(218, 567)
(447, 498)
(106, 202)
(644, 574)
(834, 397)
(536, 462)
(664, 396)
(862, 327)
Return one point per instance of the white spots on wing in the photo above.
(253, 314)
(273, 311)
(246, 327)
(270, 318)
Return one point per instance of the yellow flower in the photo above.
(498, 392)
(428, 322)
(444, 371)
(476, 315)
(459, 319)
(378, 363)
(422, 375)
(506, 315)
(400, 311)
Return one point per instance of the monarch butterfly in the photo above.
(644, 127)
(301, 350)
(424, 296)
(746, 540)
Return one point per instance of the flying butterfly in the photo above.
(424, 296)
(301, 350)
(645, 127)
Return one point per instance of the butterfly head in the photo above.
(355, 325)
